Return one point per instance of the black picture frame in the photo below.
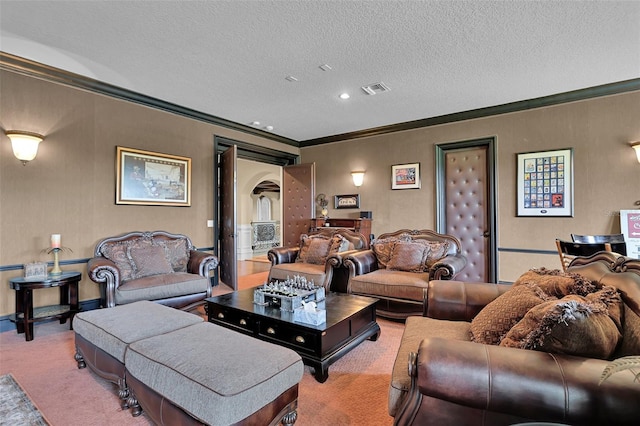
(346, 201)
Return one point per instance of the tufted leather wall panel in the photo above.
(466, 192)
(298, 193)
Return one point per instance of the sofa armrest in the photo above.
(361, 262)
(201, 263)
(531, 384)
(447, 267)
(105, 273)
(278, 255)
(458, 300)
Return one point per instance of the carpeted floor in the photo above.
(354, 394)
(16, 408)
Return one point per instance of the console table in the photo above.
(26, 314)
(362, 226)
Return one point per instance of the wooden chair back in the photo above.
(568, 250)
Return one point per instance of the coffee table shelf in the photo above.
(350, 321)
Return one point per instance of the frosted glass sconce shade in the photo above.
(358, 178)
(24, 144)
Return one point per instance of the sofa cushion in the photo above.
(574, 325)
(246, 375)
(113, 329)
(383, 249)
(630, 334)
(117, 253)
(148, 260)
(391, 284)
(416, 329)
(408, 257)
(437, 250)
(163, 286)
(316, 248)
(310, 271)
(557, 283)
(498, 317)
(176, 252)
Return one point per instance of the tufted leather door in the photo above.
(466, 205)
(298, 193)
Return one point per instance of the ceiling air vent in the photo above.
(375, 88)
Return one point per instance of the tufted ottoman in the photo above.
(210, 374)
(103, 335)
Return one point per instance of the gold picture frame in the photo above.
(35, 271)
(152, 179)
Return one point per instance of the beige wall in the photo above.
(69, 189)
(607, 174)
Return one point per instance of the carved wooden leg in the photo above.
(80, 359)
(123, 393)
(136, 409)
(290, 418)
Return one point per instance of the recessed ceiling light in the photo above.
(325, 67)
(255, 123)
(269, 128)
(344, 96)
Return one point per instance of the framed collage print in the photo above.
(545, 183)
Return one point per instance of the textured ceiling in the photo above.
(230, 58)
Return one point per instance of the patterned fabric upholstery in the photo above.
(150, 260)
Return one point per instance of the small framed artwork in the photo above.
(351, 201)
(545, 183)
(152, 179)
(405, 176)
(35, 271)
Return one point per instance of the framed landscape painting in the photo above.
(152, 179)
(545, 183)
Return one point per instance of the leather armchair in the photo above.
(331, 274)
(449, 380)
(401, 292)
(185, 287)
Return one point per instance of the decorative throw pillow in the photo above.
(337, 241)
(495, 320)
(630, 334)
(176, 252)
(574, 325)
(148, 261)
(314, 249)
(557, 283)
(117, 253)
(409, 257)
(437, 250)
(382, 249)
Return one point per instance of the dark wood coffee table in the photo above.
(350, 320)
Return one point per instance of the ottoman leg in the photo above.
(80, 359)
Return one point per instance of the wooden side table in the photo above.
(26, 314)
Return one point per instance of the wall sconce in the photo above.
(636, 147)
(25, 144)
(358, 178)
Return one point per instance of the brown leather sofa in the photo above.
(157, 266)
(287, 261)
(442, 378)
(400, 285)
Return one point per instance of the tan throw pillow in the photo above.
(337, 242)
(382, 249)
(574, 325)
(630, 335)
(314, 249)
(117, 253)
(437, 250)
(177, 253)
(148, 261)
(495, 320)
(556, 282)
(409, 257)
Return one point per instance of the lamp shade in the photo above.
(25, 145)
(358, 178)
(636, 147)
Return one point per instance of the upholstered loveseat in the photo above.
(497, 354)
(398, 267)
(157, 266)
(318, 257)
